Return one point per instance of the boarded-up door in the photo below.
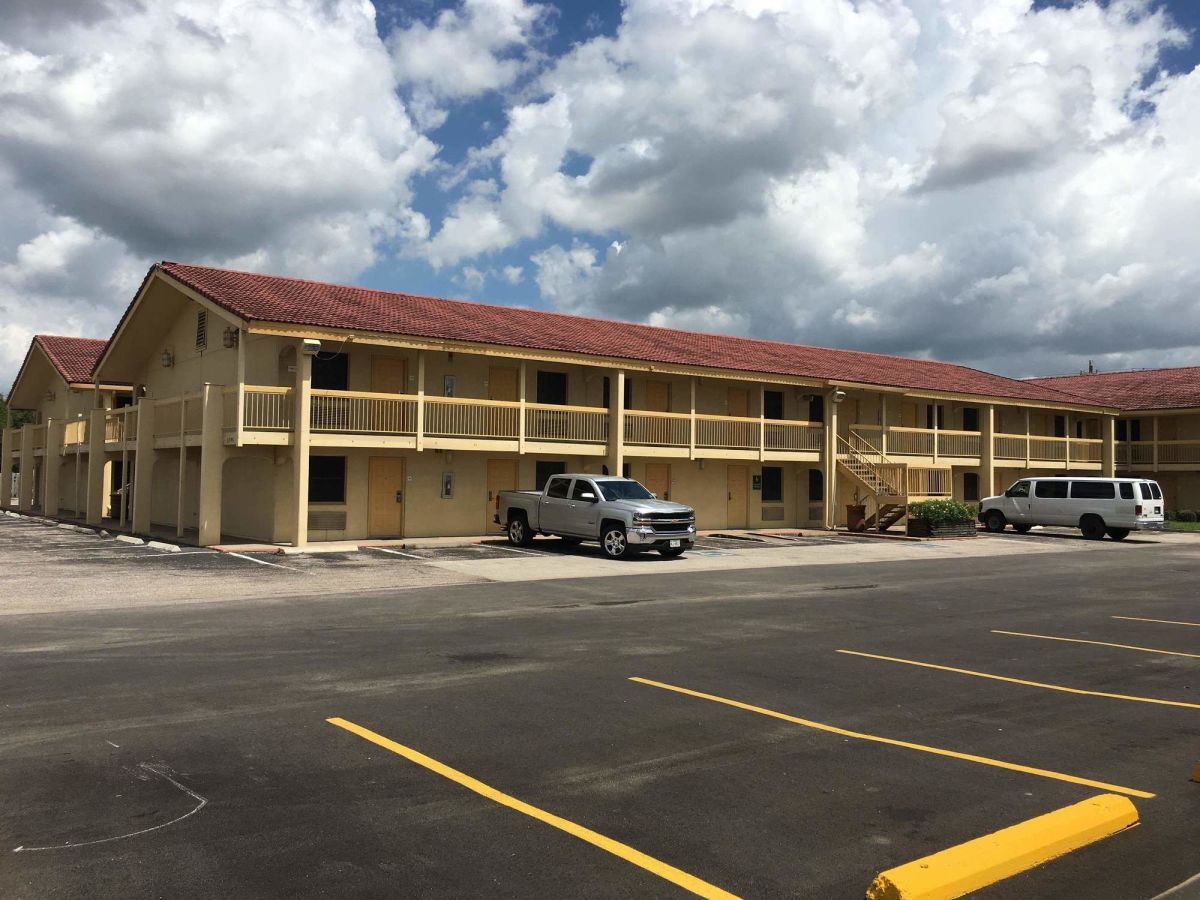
(389, 375)
(501, 476)
(658, 480)
(739, 402)
(502, 383)
(385, 497)
(658, 396)
(739, 489)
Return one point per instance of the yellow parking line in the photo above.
(1050, 637)
(1036, 684)
(937, 751)
(650, 864)
(1159, 621)
(975, 864)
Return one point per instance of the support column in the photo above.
(1028, 453)
(1154, 447)
(52, 465)
(936, 411)
(521, 389)
(762, 423)
(616, 423)
(95, 468)
(1108, 450)
(25, 488)
(987, 451)
(829, 461)
(883, 424)
(143, 467)
(241, 388)
(300, 446)
(212, 463)
(692, 420)
(7, 437)
(420, 397)
(1067, 435)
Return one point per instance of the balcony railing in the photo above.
(567, 424)
(947, 443)
(75, 433)
(336, 411)
(659, 429)
(120, 425)
(1169, 453)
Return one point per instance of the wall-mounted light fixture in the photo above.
(50, 396)
(450, 356)
(230, 337)
(839, 396)
(168, 359)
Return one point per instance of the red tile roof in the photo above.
(295, 301)
(74, 357)
(1143, 389)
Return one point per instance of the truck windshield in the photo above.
(623, 490)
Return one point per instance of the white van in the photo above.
(1096, 506)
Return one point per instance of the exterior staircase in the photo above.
(883, 480)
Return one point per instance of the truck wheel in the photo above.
(994, 521)
(614, 542)
(1022, 529)
(671, 552)
(1118, 534)
(518, 532)
(1092, 528)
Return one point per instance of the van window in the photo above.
(1093, 490)
(1020, 489)
(1050, 490)
(558, 488)
(1126, 490)
(1155, 491)
(1150, 491)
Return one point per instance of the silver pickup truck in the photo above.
(618, 512)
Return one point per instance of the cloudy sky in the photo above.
(1007, 183)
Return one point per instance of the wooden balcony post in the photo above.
(143, 466)
(300, 446)
(7, 437)
(241, 390)
(1028, 454)
(420, 400)
(692, 420)
(1067, 434)
(25, 487)
(883, 425)
(987, 451)
(936, 410)
(1108, 451)
(212, 463)
(95, 469)
(51, 466)
(522, 375)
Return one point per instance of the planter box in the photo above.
(922, 528)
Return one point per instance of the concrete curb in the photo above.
(129, 539)
(976, 864)
(162, 545)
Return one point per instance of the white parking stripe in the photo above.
(261, 562)
(396, 552)
(515, 550)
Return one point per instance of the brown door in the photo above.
(385, 497)
(501, 476)
(389, 375)
(738, 478)
(739, 402)
(502, 383)
(658, 480)
(658, 396)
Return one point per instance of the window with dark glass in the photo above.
(606, 398)
(773, 404)
(626, 470)
(1051, 490)
(1122, 430)
(1093, 490)
(582, 487)
(1060, 426)
(816, 486)
(331, 372)
(970, 418)
(816, 409)
(1079, 428)
(970, 484)
(628, 393)
(1135, 429)
(558, 487)
(327, 479)
(552, 388)
(1126, 491)
(545, 470)
(1020, 489)
(772, 484)
(941, 415)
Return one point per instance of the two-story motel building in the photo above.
(287, 411)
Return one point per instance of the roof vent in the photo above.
(202, 329)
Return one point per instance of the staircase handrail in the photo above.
(855, 450)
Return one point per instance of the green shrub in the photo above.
(1186, 515)
(941, 512)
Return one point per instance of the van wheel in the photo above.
(1022, 529)
(518, 532)
(1092, 528)
(994, 521)
(1118, 534)
(615, 543)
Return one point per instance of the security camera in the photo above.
(839, 396)
(310, 347)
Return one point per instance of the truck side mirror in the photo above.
(588, 496)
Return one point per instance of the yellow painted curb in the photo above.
(986, 860)
(1196, 773)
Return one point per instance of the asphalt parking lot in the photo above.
(803, 718)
